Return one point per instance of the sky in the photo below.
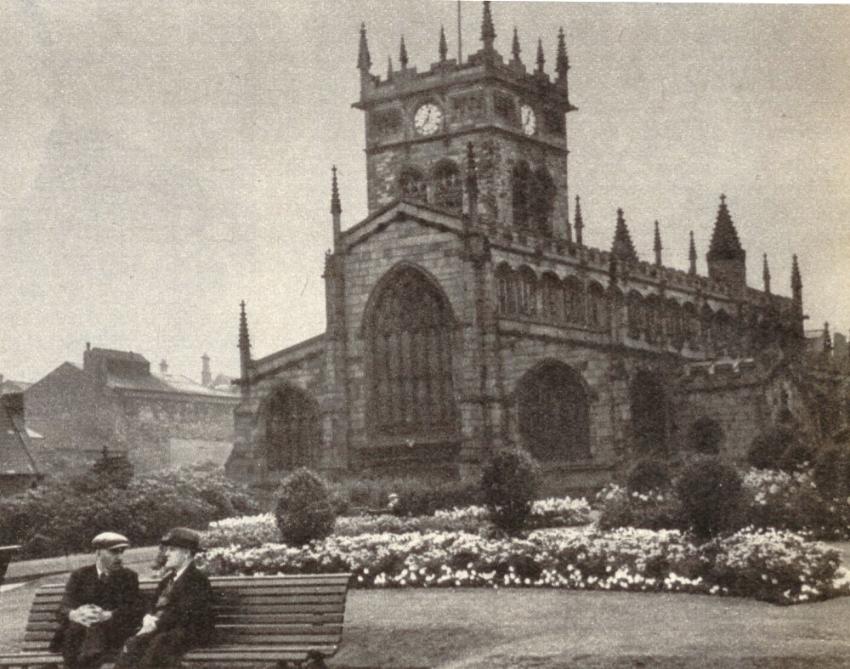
(162, 161)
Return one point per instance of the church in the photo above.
(465, 312)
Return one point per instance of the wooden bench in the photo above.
(260, 619)
(6, 553)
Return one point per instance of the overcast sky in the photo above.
(162, 161)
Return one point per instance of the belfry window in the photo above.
(448, 187)
(411, 184)
(540, 201)
(521, 178)
(410, 358)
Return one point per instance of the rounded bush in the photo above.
(797, 456)
(832, 472)
(648, 474)
(304, 508)
(705, 436)
(767, 448)
(711, 497)
(509, 486)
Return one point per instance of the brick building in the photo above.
(115, 402)
(18, 468)
(466, 312)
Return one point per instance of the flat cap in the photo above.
(110, 540)
(182, 537)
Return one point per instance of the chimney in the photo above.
(206, 375)
(163, 366)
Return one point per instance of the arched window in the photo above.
(597, 310)
(706, 318)
(541, 200)
(653, 319)
(690, 322)
(527, 297)
(520, 180)
(553, 410)
(552, 293)
(448, 186)
(722, 331)
(673, 325)
(411, 184)
(506, 285)
(292, 429)
(635, 315)
(410, 357)
(574, 306)
(649, 414)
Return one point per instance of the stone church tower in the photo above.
(465, 311)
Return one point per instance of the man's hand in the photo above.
(148, 625)
(88, 615)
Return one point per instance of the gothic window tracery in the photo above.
(690, 321)
(674, 328)
(410, 362)
(527, 293)
(520, 180)
(412, 185)
(597, 311)
(292, 429)
(448, 185)
(553, 412)
(574, 304)
(552, 294)
(635, 315)
(652, 311)
(506, 284)
(541, 199)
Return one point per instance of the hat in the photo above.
(182, 537)
(109, 540)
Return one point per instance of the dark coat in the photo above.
(189, 607)
(119, 594)
(185, 620)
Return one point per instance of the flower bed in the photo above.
(261, 529)
(578, 558)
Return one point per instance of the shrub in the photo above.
(710, 492)
(509, 486)
(797, 456)
(768, 448)
(832, 472)
(648, 474)
(415, 496)
(705, 436)
(304, 511)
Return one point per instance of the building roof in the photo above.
(115, 354)
(163, 383)
(12, 386)
(15, 456)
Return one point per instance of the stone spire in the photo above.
(336, 208)
(402, 54)
(692, 256)
(515, 50)
(562, 64)
(623, 248)
(765, 273)
(244, 348)
(656, 246)
(444, 47)
(541, 59)
(796, 282)
(488, 32)
(727, 261)
(364, 61)
(578, 223)
(471, 184)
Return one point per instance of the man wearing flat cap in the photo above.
(100, 607)
(181, 615)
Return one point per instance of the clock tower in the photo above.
(418, 126)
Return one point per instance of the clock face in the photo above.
(528, 119)
(428, 119)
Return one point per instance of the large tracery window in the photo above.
(597, 311)
(552, 294)
(541, 200)
(574, 305)
(411, 184)
(520, 181)
(506, 285)
(292, 429)
(410, 362)
(554, 419)
(448, 187)
(527, 293)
